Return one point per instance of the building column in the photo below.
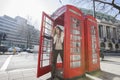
(106, 46)
(104, 31)
(113, 46)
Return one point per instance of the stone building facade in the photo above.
(109, 30)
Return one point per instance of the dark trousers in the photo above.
(54, 60)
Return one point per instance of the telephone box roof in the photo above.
(90, 17)
(63, 9)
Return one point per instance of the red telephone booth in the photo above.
(91, 44)
(71, 18)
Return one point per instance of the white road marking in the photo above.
(92, 77)
(15, 70)
(5, 65)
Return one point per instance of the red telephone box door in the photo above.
(92, 44)
(45, 46)
(74, 43)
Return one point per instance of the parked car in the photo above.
(29, 50)
(24, 49)
(11, 49)
(3, 49)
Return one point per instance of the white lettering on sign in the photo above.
(91, 20)
(74, 12)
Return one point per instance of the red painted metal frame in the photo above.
(42, 70)
(91, 21)
(72, 72)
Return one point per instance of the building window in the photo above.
(108, 32)
(101, 31)
(114, 33)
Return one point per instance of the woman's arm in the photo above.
(53, 32)
(48, 37)
(52, 35)
(62, 37)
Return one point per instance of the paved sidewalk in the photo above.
(110, 71)
(25, 74)
(111, 64)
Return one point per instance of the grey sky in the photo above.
(33, 8)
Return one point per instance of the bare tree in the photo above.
(111, 7)
(113, 4)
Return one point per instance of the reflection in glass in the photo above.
(45, 63)
(46, 56)
(47, 42)
(93, 32)
(48, 26)
(75, 57)
(94, 55)
(94, 61)
(75, 44)
(48, 20)
(44, 49)
(75, 22)
(75, 31)
(75, 64)
(48, 32)
(47, 46)
(75, 50)
(73, 37)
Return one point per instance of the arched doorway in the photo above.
(102, 44)
(117, 46)
(110, 46)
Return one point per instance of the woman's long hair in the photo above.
(59, 30)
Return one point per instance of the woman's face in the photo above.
(57, 31)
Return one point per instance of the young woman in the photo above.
(58, 39)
